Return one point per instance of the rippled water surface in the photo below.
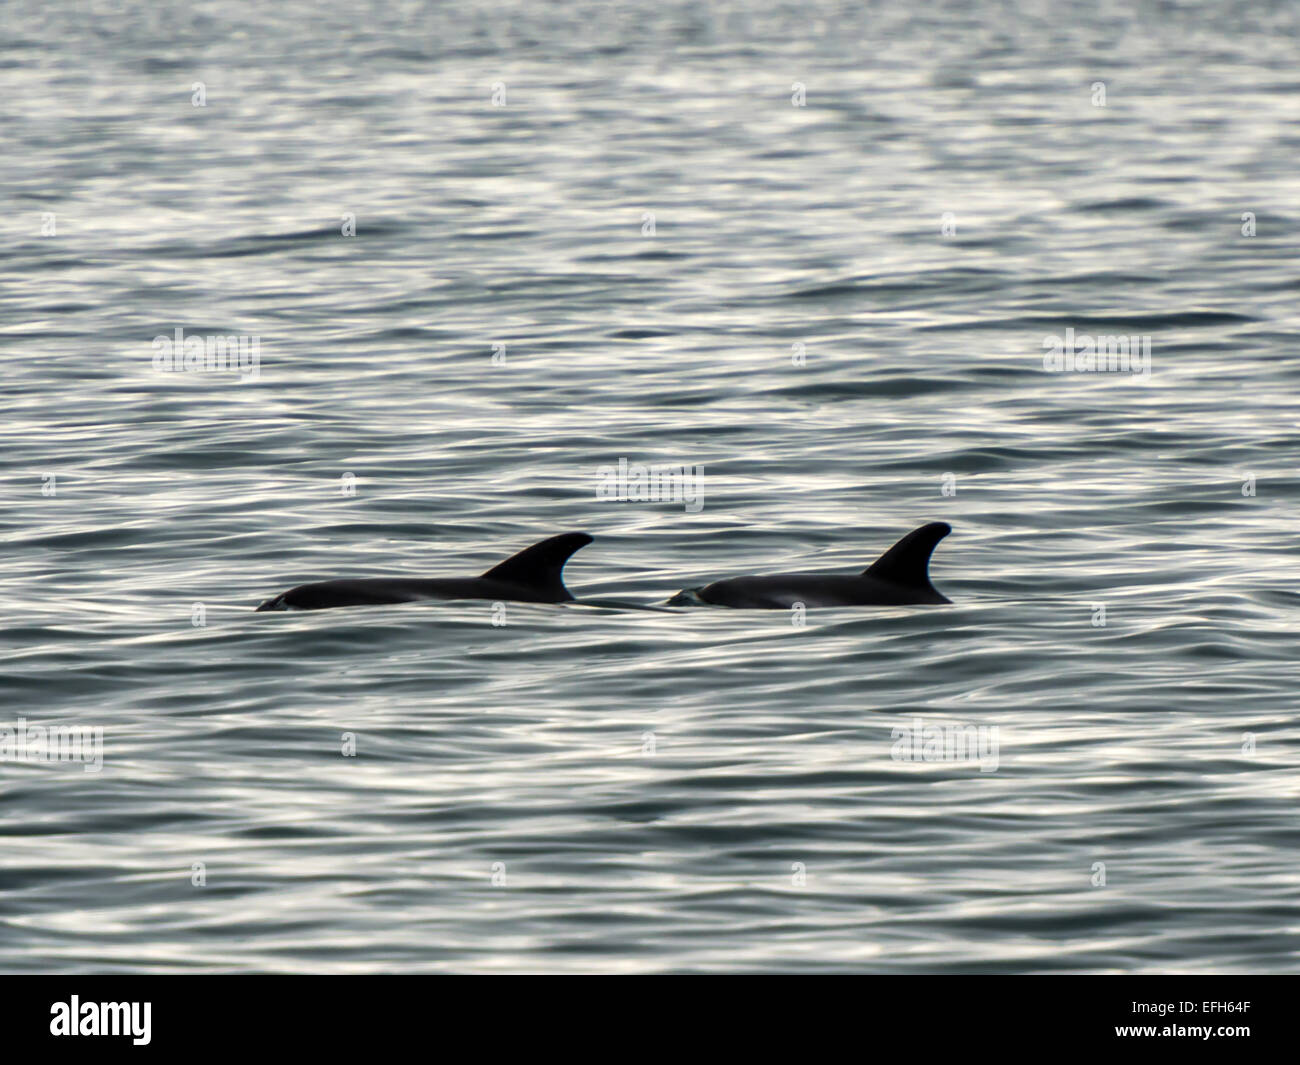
(838, 309)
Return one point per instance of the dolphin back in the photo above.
(540, 568)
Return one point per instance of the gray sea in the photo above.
(821, 254)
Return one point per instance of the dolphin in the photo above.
(535, 575)
(898, 577)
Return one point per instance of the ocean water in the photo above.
(817, 249)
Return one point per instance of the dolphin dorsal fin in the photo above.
(541, 566)
(907, 563)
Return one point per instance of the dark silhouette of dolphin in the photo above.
(898, 577)
(535, 575)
